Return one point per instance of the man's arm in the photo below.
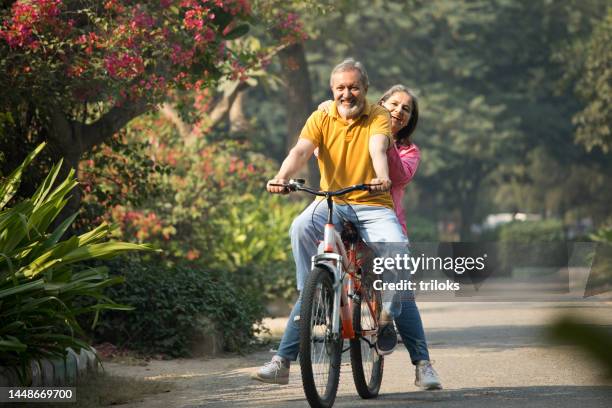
(378, 153)
(296, 159)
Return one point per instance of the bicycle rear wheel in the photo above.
(320, 351)
(366, 363)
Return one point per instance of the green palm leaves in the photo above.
(41, 275)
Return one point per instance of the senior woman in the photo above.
(404, 157)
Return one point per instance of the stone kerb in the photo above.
(53, 372)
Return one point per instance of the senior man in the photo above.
(352, 141)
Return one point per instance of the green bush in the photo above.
(489, 235)
(532, 231)
(253, 247)
(526, 244)
(41, 276)
(600, 278)
(421, 229)
(168, 304)
(207, 204)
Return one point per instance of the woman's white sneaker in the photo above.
(273, 372)
(426, 376)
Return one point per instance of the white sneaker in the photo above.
(274, 372)
(426, 376)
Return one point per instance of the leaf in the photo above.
(9, 186)
(237, 32)
(12, 345)
(22, 288)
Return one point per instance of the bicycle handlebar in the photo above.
(298, 185)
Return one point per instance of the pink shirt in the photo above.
(403, 164)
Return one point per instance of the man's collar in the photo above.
(333, 111)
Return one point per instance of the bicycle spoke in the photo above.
(320, 346)
(367, 363)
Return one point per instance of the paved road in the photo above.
(488, 354)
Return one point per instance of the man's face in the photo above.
(349, 93)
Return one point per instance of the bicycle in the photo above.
(338, 302)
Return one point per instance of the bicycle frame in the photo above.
(343, 265)
(335, 263)
(335, 272)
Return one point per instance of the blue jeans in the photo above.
(375, 224)
(408, 323)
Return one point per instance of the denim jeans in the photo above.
(408, 323)
(375, 224)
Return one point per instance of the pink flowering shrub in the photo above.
(123, 50)
(182, 206)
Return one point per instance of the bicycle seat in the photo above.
(350, 234)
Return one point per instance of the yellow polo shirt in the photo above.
(344, 155)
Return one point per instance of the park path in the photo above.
(487, 354)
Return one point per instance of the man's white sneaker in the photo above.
(274, 372)
(426, 376)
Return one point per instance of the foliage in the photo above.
(74, 73)
(603, 235)
(117, 173)
(169, 304)
(592, 338)
(421, 229)
(253, 247)
(532, 231)
(571, 191)
(487, 76)
(41, 275)
(72, 52)
(207, 205)
(588, 60)
(600, 278)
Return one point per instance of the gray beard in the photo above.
(350, 113)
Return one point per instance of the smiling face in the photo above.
(399, 106)
(349, 93)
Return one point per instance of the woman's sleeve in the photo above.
(403, 165)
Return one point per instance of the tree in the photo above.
(75, 72)
(590, 70)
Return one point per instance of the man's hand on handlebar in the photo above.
(380, 184)
(276, 189)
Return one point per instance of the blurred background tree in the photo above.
(504, 88)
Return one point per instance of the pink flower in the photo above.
(125, 66)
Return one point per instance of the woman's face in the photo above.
(399, 106)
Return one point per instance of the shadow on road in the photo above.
(502, 337)
(518, 397)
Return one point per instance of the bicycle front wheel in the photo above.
(320, 350)
(366, 363)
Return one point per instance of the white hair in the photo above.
(350, 64)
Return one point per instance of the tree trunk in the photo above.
(299, 100)
(467, 217)
(66, 143)
(469, 200)
(239, 124)
(70, 140)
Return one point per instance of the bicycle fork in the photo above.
(332, 261)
